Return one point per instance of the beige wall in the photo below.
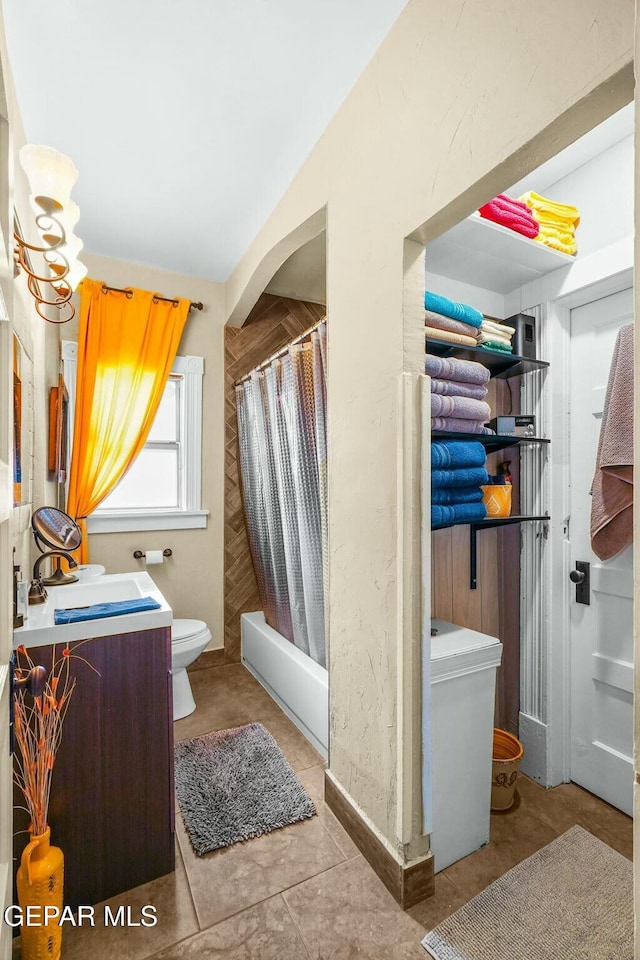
(461, 99)
(39, 360)
(192, 580)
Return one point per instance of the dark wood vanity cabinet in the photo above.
(112, 799)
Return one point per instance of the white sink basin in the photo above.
(39, 629)
(105, 590)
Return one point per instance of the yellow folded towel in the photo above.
(451, 337)
(569, 247)
(542, 205)
(558, 222)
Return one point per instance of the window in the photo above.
(162, 488)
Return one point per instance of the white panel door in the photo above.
(601, 633)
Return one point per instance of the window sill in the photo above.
(148, 520)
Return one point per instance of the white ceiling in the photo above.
(187, 121)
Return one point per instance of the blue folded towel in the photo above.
(457, 453)
(461, 477)
(449, 308)
(458, 513)
(98, 611)
(442, 496)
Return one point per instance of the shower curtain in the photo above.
(281, 414)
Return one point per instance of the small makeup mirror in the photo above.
(55, 530)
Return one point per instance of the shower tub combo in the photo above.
(281, 410)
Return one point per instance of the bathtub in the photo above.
(298, 684)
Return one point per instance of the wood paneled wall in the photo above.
(494, 607)
(272, 324)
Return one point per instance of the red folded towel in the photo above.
(508, 203)
(528, 227)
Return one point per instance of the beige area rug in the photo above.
(572, 900)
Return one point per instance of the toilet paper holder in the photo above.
(139, 554)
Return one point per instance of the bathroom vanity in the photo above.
(112, 797)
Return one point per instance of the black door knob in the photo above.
(577, 576)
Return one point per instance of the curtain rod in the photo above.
(199, 305)
(280, 353)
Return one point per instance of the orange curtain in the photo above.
(126, 348)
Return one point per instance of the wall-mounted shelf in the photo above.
(490, 441)
(498, 363)
(486, 254)
(484, 525)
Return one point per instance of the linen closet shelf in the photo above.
(490, 441)
(501, 365)
(483, 525)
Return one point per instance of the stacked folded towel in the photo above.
(457, 473)
(514, 214)
(448, 320)
(459, 323)
(495, 336)
(458, 391)
(558, 222)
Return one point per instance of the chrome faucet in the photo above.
(37, 592)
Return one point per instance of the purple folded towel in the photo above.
(441, 322)
(464, 408)
(454, 388)
(449, 368)
(456, 425)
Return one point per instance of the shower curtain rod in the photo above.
(199, 305)
(280, 353)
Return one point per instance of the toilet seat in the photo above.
(183, 631)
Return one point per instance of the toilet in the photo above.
(188, 640)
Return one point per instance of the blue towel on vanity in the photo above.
(443, 496)
(458, 513)
(461, 477)
(457, 453)
(98, 611)
(451, 309)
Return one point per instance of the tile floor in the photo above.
(304, 892)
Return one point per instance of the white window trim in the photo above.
(191, 369)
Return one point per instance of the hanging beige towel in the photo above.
(612, 488)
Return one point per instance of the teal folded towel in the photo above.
(457, 453)
(459, 477)
(97, 611)
(443, 496)
(459, 513)
(452, 309)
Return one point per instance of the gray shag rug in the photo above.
(572, 900)
(236, 784)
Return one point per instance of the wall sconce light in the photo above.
(51, 177)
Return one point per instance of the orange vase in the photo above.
(40, 884)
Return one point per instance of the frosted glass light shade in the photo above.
(51, 174)
(77, 270)
(77, 273)
(69, 216)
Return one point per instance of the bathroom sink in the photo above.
(39, 629)
(105, 590)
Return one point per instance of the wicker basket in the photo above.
(507, 754)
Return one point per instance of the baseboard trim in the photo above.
(210, 658)
(408, 882)
(534, 736)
